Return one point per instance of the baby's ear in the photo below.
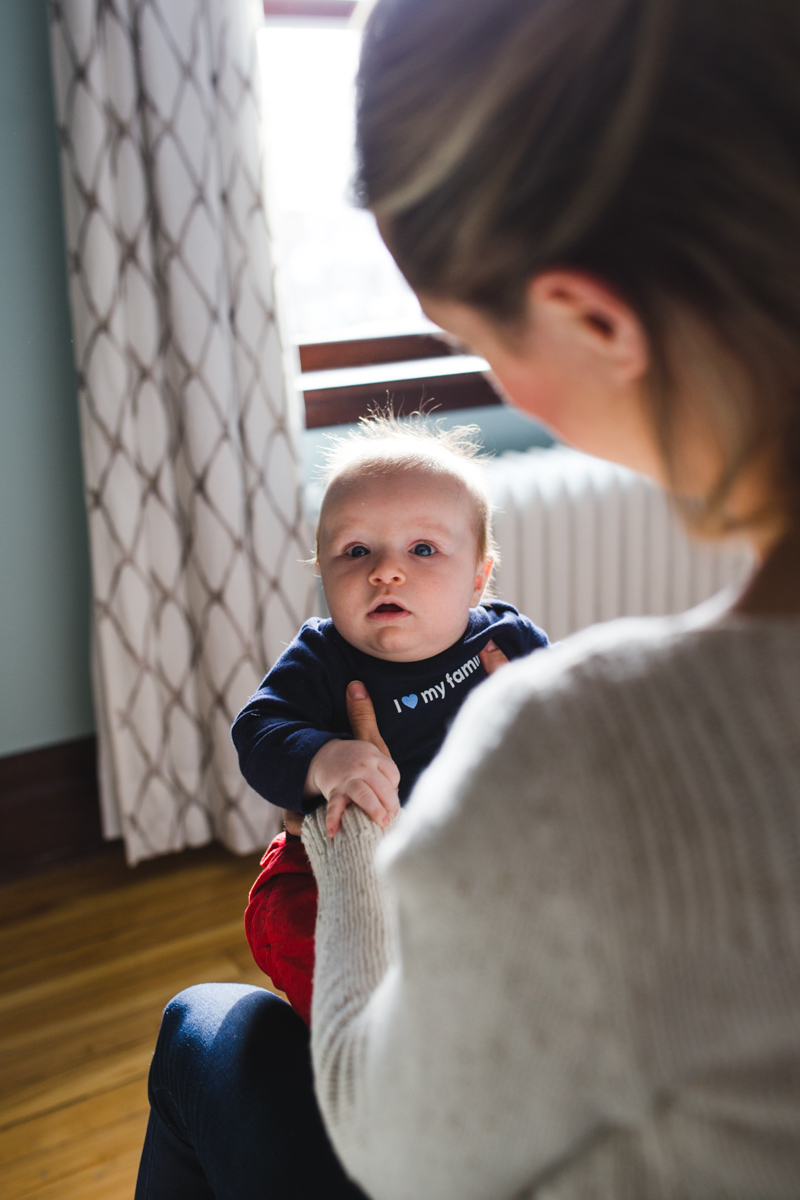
(482, 578)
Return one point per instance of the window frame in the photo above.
(326, 10)
(332, 379)
(338, 390)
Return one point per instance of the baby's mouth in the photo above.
(387, 610)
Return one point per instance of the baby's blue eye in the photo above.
(423, 549)
(357, 551)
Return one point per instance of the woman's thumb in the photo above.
(361, 715)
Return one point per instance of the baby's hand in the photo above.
(354, 772)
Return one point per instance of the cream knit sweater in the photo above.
(573, 969)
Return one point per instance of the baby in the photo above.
(405, 553)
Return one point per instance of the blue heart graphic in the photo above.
(410, 701)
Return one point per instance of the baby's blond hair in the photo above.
(382, 445)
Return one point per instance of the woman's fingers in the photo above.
(492, 658)
(361, 715)
(292, 822)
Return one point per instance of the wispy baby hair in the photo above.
(383, 446)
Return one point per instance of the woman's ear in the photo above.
(481, 579)
(587, 317)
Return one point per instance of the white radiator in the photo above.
(583, 541)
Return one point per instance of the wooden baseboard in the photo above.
(49, 806)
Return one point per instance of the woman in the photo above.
(575, 970)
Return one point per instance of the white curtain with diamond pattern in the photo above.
(190, 427)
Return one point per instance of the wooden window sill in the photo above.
(341, 396)
(336, 10)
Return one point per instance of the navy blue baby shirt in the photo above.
(301, 703)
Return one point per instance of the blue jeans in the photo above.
(233, 1114)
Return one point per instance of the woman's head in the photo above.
(653, 145)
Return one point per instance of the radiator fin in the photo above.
(583, 540)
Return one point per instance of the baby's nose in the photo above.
(387, 569)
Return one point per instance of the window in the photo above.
(361, 334)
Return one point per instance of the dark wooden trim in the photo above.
(49, 806)
(357, 352)
(344, 405)
(337, 10)
(345, 395)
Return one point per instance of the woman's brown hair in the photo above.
(652, 143)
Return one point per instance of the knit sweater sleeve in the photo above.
(463, 1033)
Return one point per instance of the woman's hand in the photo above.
(341, 770)
(492, 658)
(293, 822)
(359, 772)
(361, 715)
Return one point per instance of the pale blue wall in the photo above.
(44, 562)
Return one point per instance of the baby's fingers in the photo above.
(384, 781)
(356, 792)
(389, 770)
(373, 798)
(333, 812)
(376, 799)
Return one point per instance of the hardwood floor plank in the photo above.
(89, 955)
(49, 1058)
(109, 1181)
(24, 897)
(102, 874)
(126, 920)
(95, 983)
(51, 1130)
(91, 1151)
(234, 965)
(53, 1057)
(99, 1076)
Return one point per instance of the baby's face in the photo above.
(398, 559)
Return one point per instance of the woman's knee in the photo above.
(231, 1079)
(188, 1019)
(190, 1026)
(195, 1011)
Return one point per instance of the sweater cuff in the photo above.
(356, 842)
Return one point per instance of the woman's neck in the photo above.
(774, 589)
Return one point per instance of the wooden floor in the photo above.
(89, 955)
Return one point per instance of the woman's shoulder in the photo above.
(614, 715)
(634, 788)
(699, 653)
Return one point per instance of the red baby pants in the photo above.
(280, 919)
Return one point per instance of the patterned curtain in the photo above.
(190, 427)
